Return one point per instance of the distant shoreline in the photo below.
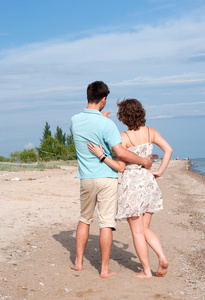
(195, 169)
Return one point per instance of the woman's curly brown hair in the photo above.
(131, 113)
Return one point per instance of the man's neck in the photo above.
(93, 106)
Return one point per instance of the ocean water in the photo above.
(198, 165)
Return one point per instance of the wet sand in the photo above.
(39, 214)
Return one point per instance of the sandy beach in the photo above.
(39, 214)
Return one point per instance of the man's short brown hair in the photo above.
(96, 91)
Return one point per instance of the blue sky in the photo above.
(152, 50)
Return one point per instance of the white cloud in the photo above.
(175, 105)
(164, 80)
(55, 73)
(172, 38)
(160, 117)
(173, 110)
(29, 146)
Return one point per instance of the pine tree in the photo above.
(69, 138)
(46, 133)
(60, 136)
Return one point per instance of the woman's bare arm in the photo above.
(164, 145)
(98, 151)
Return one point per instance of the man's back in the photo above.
(90, 125)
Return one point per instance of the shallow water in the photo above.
(198, 165)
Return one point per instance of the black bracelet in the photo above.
(103, 158)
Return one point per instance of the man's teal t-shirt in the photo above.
(91, 125)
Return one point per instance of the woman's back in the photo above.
(132, 138)
(138, 142)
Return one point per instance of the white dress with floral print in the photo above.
(139, 191)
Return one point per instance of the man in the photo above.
(98, 182)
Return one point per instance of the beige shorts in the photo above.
(102, 194)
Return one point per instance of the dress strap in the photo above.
(148, 135)
(129, 139)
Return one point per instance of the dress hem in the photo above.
(138, 215)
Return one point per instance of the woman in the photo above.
(140, 195)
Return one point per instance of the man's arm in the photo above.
(131, 157)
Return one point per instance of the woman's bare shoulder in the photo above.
(152, 130)
(123, 134)
(125, 140)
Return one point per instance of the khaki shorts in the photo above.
(102, 194)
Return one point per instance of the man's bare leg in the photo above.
(81, 241)
(154, 242)
(105, 247)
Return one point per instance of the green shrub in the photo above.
(15, 156)
(28, 156)
(4, 159)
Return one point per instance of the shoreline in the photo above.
(199, 172)
(39, 216)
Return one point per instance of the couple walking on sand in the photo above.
(94, 136)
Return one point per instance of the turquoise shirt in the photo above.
(90, 125)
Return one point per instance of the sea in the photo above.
(197, 165)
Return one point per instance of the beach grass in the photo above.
(15, 168)
(40, 166)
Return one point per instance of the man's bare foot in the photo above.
(76, 267)
(142, 275)
(107, 274)
(162, 269)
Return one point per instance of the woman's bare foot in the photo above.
(76, 267)
(143, 275)
(107, 274)
(162, 269)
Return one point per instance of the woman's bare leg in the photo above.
(137, 229)
(154, 242)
